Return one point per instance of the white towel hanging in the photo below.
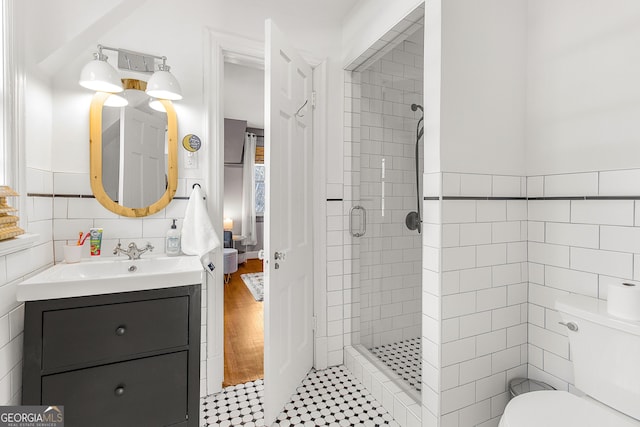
(198, 235)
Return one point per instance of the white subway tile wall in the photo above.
(579, 247)
(14, 268)
(484, 302)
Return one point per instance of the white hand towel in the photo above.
(198, 235)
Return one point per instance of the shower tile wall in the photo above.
(484, 296)
(390, 254)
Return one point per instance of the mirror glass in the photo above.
(135, 151)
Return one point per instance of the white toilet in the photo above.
(606, 363)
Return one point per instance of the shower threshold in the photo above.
(404, 359)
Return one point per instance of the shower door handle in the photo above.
(363, 224)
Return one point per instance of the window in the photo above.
(259, 175)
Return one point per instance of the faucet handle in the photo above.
(150, 247)
(116, 250)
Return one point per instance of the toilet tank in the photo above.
(605, 352)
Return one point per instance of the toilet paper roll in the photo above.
(623, 300)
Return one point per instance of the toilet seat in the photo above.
(561, 409)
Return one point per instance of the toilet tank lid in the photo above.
(595, 310)
(560, 409)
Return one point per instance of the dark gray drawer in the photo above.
(87, 335)
(144, 392)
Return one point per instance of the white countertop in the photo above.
(111, 275)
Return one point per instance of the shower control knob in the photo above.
(572, 326)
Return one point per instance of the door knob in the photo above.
(279, 256)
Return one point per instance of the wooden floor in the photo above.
(243, 329)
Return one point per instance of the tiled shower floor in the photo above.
(332, 397)
(404, 359)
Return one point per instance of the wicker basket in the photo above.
(8, 223)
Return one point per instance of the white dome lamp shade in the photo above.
(163, 84)
(156, 105)
(100, 76)
(116, 101)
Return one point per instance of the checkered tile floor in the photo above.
(404, 359)
(332, 397)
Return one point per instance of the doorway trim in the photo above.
(220, 47)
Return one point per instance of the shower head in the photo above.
(414, 107)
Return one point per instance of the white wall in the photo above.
(244, 94)
(483, 86)
(583, 127)
(583, 95)
(182, 44)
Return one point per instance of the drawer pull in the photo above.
(119, 391)
(121, 331)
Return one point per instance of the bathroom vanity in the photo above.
(116, 359)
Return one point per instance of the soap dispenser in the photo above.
(173, 240)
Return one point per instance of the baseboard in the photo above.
(215, 375)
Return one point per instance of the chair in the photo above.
(230, 263)
(228, 239)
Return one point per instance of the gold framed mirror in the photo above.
(133, 153)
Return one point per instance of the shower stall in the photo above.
(385, 216)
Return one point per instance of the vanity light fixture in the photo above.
(163, 84)
(99, 75)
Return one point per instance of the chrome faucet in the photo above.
(133, 252)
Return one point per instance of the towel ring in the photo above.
(194, 186)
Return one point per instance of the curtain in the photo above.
(249, 190)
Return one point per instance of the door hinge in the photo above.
(313, 99)
(314, 321)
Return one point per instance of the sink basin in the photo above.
(111, 275)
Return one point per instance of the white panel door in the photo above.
(143, 142)
(288, 303)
